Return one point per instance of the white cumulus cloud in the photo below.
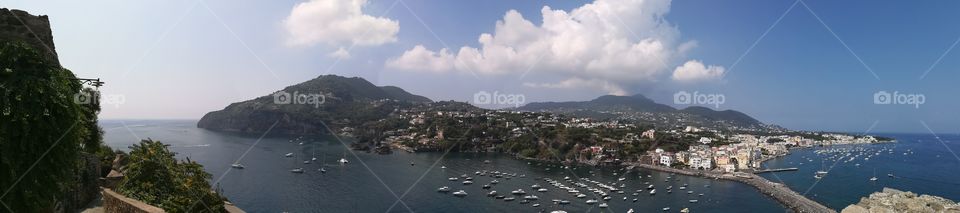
(421, 59)
(606, 42)
(337, 23)
(693, 71)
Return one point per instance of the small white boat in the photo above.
(452, 178)
(531, 197)
(306, 162)
(492, 193)
(604, 205)
(666, 208)
(518, 192)
(460, 193)
(289, 155)
(467, 182)
(297, 170)
(542, 190)
(536, 205)
(509, 199)
(237, 166)
(653, 191)
(444, 189)
(343, 161)
(694, 201)
(581, 196)
(591, 201)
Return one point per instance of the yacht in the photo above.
(542, 190)
(531, 197)
(581, 196)
(518, 192)
(460, 193)
(653, 191)
(509, 199)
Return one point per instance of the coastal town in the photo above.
(594, 141)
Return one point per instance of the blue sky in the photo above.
(183, 58)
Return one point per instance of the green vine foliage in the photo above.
(41, 129)
(155, 177)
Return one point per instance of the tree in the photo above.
(41, 129)
(155, 177)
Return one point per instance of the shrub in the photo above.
(155, 177)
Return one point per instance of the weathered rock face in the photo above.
(20, 26)
(892, 200)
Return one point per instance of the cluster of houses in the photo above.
(727, 158)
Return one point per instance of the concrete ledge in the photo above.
(115, 202)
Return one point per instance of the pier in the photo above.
(775, 170)
(777, 191)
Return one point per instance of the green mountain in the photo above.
(608, 106)
(310, 107)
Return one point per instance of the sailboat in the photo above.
(820, 173)
(297, 170)
(323, 170)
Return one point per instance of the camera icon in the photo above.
(482, 97)
(682, 97)
(82, 98)
(882, 97)
(282, 97)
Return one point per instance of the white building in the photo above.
(706, 163)
(666, 160)
(705, 140)
(695, 162)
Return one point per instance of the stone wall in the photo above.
(18, 25)
(115, 202)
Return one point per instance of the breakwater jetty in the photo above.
(777, 191)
